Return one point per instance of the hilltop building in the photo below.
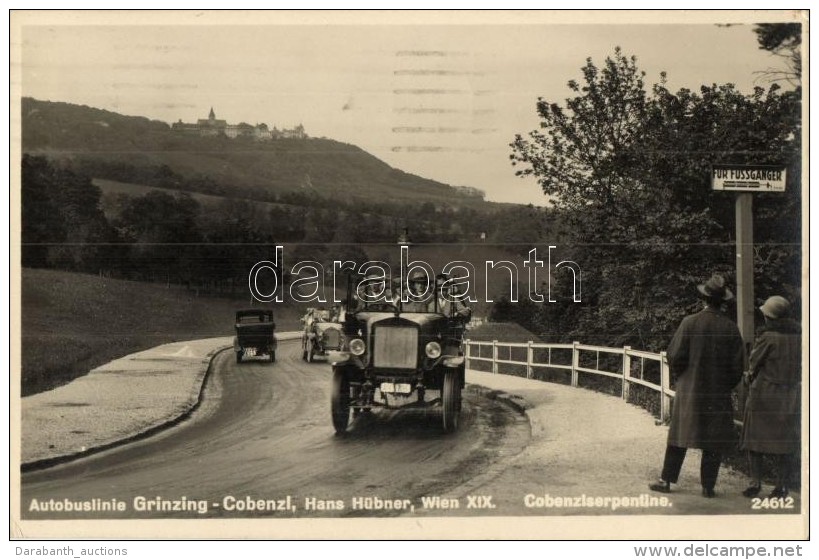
(470, 191)
(212, 126)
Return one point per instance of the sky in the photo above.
(437, 95)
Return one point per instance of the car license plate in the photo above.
(400, 388)
(250, 352)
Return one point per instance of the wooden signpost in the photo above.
(746, 180)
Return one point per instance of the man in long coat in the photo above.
(706, 357)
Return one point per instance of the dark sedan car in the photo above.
(255, 334)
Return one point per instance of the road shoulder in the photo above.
(588, 445)
(119, 401)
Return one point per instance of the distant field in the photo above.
(72, 323)
(110, 189)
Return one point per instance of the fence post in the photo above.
(530, 358)
(466, 354)
(626, 372)
(494, 356)
(665, 386)
(575, 362)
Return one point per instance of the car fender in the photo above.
(338, 357)
(453, 361)
(343, 358)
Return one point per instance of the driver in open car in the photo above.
(449, 302)
(373, 293)
(418, 285)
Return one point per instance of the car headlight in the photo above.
(357, 346)
(433, 349)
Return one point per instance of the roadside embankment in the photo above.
(125, 399)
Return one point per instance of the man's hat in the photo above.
(370, 282)
(715, 288)
(372, 279)
(776, 307)
(418, 275)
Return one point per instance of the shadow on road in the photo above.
(411, 424)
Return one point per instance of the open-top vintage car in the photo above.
(394, 355)
(322, 333)
(255, 334)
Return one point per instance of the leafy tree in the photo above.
(41, 219)
(785, 41)
(62, 224)
(165, 234)
(519, 228)
(319, 225)
(628, 171)
(582, 150)
(234, 240)
(503, 311)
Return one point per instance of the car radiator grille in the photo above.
(395, 347)
(331, 338)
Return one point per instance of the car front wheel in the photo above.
(340, 400)
(451, 400)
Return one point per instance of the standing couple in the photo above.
(706, 358)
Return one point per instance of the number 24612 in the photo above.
(772, 503)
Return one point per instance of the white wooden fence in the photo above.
(624, 364)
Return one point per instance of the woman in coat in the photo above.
(772, 411)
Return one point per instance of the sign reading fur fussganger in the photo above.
(761, 178)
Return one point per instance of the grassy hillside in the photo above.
(68, 132)
(72, 323)
(111, 190)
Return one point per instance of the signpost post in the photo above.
(746, 180)
(745, 266)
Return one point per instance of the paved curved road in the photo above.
(263, 432)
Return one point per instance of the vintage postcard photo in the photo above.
(409, 275)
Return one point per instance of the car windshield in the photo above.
(366, 295)
(254, 318)
(428, 306)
